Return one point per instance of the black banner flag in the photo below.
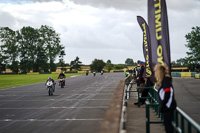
(146, 46)
(158, 27)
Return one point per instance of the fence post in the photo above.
(147, 118)
(189, 127)
(182, 124)
(176, 118)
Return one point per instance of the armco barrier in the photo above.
(7, 73)
(193, 74)
(117, 71)
(34, 73)
(197, 76)
(44, 72)
(54, 72)
(82, 72)
(185, 74)
(122, 126)
(71, 72)
(176, 74)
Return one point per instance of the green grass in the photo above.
(7, 81)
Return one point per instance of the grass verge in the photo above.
(8, 81)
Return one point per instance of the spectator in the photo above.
(140, 80)
(149, 83)
(136, 73)
(167, 101)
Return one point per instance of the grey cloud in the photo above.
(33, 1)
(135, 5)
(108, 33)
(132, 5)
(16, 23)
(6, 19)
(118, 4)
(183, 6)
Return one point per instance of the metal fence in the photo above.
(182, 123)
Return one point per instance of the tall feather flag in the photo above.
(158, 27)
(146, 46)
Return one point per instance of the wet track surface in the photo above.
(77, 108)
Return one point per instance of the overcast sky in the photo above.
(102, 29)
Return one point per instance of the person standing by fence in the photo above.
(167, 102)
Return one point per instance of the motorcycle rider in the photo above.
(94, 72)
(87, 72)
(62, 76)
(101, 72)
(50, 79)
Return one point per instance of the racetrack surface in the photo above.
(79, 107)
(187, 95)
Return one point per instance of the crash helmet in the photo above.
(50, 78)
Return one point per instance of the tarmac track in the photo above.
(77, 108)
(187, 95)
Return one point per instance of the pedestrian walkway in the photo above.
(136, 117)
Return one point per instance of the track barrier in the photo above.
(181, 121)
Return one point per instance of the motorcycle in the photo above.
(94, 73)
(87, 73)
(50, 86)
(101, 72)
(62, 82)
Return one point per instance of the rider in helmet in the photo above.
(101, 72)
(50, 79)
(87, 72)
(94, 72)
(62, 76)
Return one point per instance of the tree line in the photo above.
(98, 65)
(192, 61)
(36, 49)
(30, 49)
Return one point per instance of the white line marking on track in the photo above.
(97, 107)
(74, 76)
(41, 120)
(7, 120)
(56, 100)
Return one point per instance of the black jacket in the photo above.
(141, 79)
(166, 95)
(61, 76)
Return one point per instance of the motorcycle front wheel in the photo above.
(50, 92)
